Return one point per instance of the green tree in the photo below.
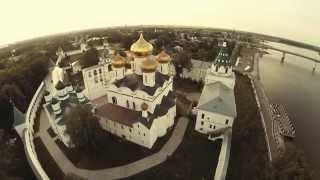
(84, 128)
(182, 60)
(90, 58)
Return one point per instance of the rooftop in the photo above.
(129, 116)
(218, 98)
(135, 82)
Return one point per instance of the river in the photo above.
(293, 85)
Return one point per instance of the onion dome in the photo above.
(163, 57)
(118, 61)
(141, 46)
(149, 65)
(60, 85)
(144, 106)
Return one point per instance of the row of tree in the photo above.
(19, 82)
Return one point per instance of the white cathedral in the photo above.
(133, 96)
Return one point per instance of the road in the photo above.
(116, 172)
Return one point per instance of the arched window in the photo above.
(227, 121)
(128, 106)
(217, 68)
(114, 100)
(146, 79)
(226, 69)
(134, 105)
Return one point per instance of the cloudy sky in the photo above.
(294, 19)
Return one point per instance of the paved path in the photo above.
(117, 172)
(264, 105)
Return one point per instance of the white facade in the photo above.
(209, 121)
(138, 132)
(96, 78)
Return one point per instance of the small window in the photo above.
(201, 129)
(138, 126)
(89, 74)
(100, 71)
(202, 122)
(122, 127)
(214, 127)
(128, 104)
(134, 105)
(227, 121)
(114, 100)
(146, 79)
(94, 72)
(130, 130)
(202, 116)
(210, 126)
(144, 134)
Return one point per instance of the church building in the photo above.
(216, 108)
(140, 102)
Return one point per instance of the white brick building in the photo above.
(216, 108)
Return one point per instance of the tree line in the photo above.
(18, 83)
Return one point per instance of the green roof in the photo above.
(223, 58)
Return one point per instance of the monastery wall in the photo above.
(29, 134)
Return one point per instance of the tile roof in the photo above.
(218, 98)
(129, 116)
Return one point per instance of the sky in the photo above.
(294, 19)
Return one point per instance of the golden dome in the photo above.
(149, 65)
(118, 61)
(141, 46)
(144, 106)
(163, 57)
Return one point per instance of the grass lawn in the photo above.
(47, 162)
(195, 158)
(114, 152)
(248, 158)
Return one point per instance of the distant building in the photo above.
(197, 72)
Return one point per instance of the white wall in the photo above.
(139, 133)
(211, 121)
(29, 134)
